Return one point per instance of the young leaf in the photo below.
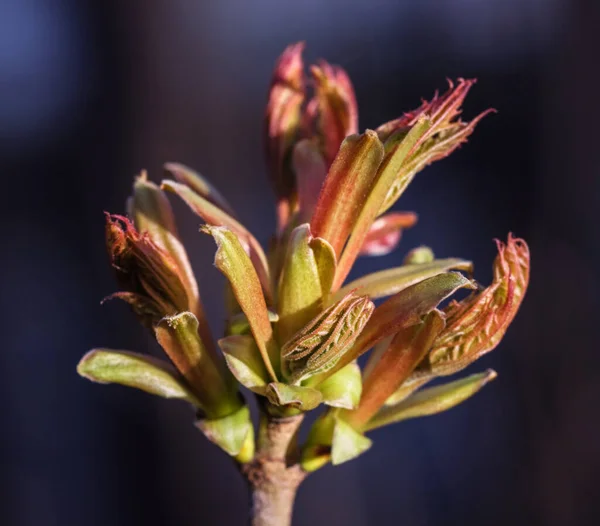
(388, 171)
(238, 324)
(229, 432)
(208, 378)
(346, 186)
(198, 184)
(302, 398)
(300, 293)
(135, 370)
(214, 216)
(388, 282)
(322, 342)
(402, 310)
(344, 388)
(234, 263)
(396, 364)
(347, 443)
(432, 400)
(419, 255)
(335, 107)
(385, 233)
(244, 361)
(476, 325)
(310, 171)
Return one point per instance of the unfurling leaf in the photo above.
(323, 341)
(432, 400)
(135, 370)
(152, 281)
(302, 398)
(232, 433)
(305, 272)
(346, 188)
(282, 123)
(394, 366)
(477, 324)
(214, 216)
(392, 164)
(310, 171)
(388, 282)
(445, 135)
(402, 310)
(244, 361)
(234, 263)
(199, 185)
(344, 388)
(385, 233)
(203, 371)
(333, 108)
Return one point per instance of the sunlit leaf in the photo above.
(388, 282)
(214, 216)
(244, 361)
(204, 372)
(346, 188)
(154, 376)
(347, 443)
(344, 388)
(232, 260)
(406, 350)
(432, 400)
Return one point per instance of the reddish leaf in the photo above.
(385, 233)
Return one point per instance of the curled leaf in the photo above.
(214, 216)
(204, 372)
(335, 109)
(445, 135)
(135, 370)
(302, 398)
(231, 433)
(346, 187)
(385, 233)
(344, 388)
(388, 282)
(477, 324)
(432, 400)
(244, 361)
(319, 345)
(420, 254)
(232, 260)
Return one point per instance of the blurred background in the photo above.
(92, 92)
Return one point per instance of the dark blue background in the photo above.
(91, 92)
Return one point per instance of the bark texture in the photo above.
(274, 475)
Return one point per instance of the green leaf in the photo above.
(135, 370)
(419, 255)
(346, 186)
(185, 175)
(238, 324)
(214, 216)
(234, 263)
(347, 443)
(402, 310)
(316, 451)
(230, 432)
(299, 298)
(303, 398)
(395, 365)
(244, 361)
(365, 215)
(432, 400)
(206, 374)
(344, 388)
(388, 282)
(326, 263)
